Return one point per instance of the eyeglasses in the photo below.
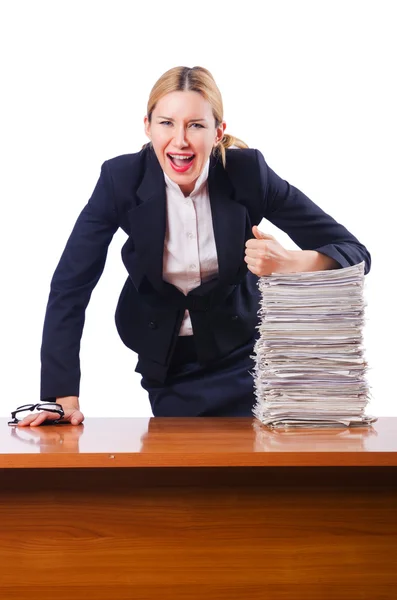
(24, 410)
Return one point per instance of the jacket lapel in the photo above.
(230, 223)
(148, 223)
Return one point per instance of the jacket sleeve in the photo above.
(78, 271)
(306, 223)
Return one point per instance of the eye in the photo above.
(198, 125)
(164, 122)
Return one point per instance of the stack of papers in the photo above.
(310, 369)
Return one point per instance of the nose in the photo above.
(180, 137)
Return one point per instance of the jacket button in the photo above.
(234, 317)
(153, 325)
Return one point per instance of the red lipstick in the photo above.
(183, 168)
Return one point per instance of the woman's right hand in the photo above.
(71, 408)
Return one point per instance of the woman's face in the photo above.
(183, 134)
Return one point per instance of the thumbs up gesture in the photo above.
(264, 255)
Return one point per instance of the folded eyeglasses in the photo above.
(23, 411)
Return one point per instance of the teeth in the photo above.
(181, 157)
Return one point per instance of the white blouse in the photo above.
(190, 256)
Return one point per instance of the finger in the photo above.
(260, 235)
(250, 261)
(259, 253)
(255, 244)
(39, 418)
(36, 418)
(27, 420)
(74, 416)
(39, 421)
(44, 416)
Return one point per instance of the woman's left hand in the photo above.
(265, 255)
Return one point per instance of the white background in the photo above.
(311, 84)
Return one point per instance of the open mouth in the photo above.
(181, 163)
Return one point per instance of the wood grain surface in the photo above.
(195, 442)
(281, 525)
(233, 533)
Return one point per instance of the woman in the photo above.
(189, 202)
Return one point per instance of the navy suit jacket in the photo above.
(130, 194)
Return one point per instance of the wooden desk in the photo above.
(197, 509)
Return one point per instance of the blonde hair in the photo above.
(195, 79)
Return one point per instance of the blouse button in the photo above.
(153, 325)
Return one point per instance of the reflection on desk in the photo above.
(228, 441)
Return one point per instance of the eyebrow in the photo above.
(170, 119)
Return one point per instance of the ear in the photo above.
(220, 131)
(147, 127)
